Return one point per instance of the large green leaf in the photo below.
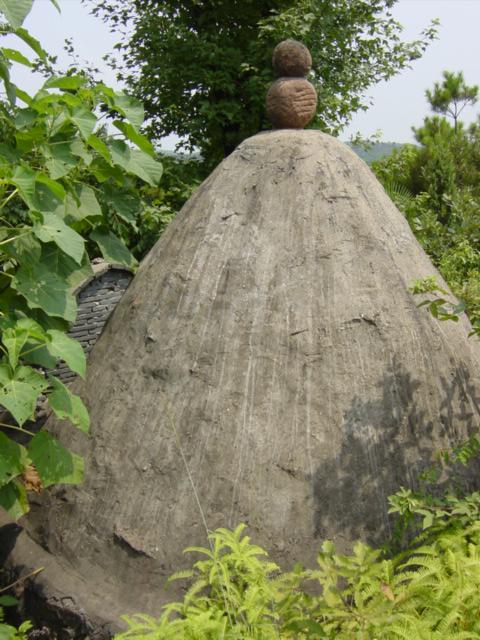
(54, 463)
(32, 42)
(63, 266)
(99, 146)
(33, 350)
(65, 82)
(62, 346)
(45, 290)
(12, 459)
(134, 136)
(55, 230)
(85, 205)
(129, 107)
(136, 161)
(24, 118)
(113, 249)
(15, 11)
(26, 249)
(39, 192)
(5, 76)
(13, 498)
(126, 205)
(85, 120)
(54, 186)
(19, 391)
(24, 179)
(16, 56)
(60, 159)
(14, 340)
(68, 406)
(79, 149)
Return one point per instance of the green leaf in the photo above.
(5, 76)
(23, 95)
(85, 121)
(68, 406)
(45, 290)
(32, 42)
(126, 205)
(65, 267)
(53, 185)
(15, 11)
(13, 498)
(14, 340)
(25, 118)
(24, 179)
(55, 230)
(16, 56)
(60, 158)
(80, 150)
(65, 82)
(129, 107)
(37, 190)
(85, 207)
(12, 459)
(137, 138)
(99, 146)
(137, 162)
(25, 249)
(67, 349)
(54, 463)
(39, 355)
(8, 601)
(20, 390)
(113, 249)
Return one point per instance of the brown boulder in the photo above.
(291, 103)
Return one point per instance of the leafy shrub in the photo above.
(68, 192)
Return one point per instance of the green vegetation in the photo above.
(68, 192)
(202, 68)
(437, 186)
(426, 591)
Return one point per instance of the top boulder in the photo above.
(291, 59)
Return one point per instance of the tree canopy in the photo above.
(202, 68)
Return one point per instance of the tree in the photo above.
(441, 177)
(202, 68)
(63, 185)
(452, 96)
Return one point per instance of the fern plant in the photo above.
(428, 592)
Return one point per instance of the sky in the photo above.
(398, 104)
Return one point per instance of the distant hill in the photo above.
(376, 151)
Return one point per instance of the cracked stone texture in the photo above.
(270, 333)
(291, 58)
(291, 103)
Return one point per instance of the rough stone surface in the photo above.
(271, 334)
(291, 103)
(291, 58)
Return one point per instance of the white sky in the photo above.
(397, 104)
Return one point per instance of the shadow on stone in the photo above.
(386, 441)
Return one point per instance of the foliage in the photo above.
(452, 95)
(429, 591)
(63, 183)
(8, 632)
(181, 176)
(436, 185)
(202, 68)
